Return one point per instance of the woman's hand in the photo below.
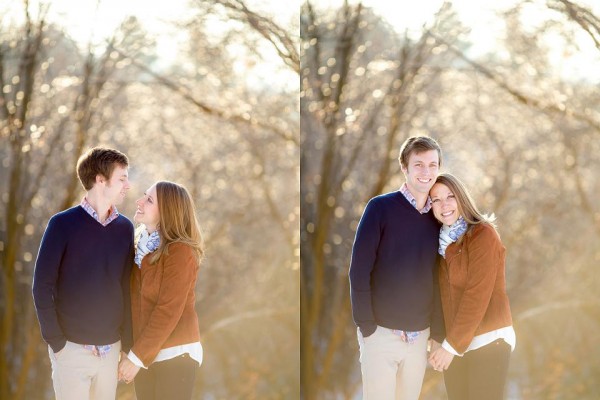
(440, 359)
(127, 370)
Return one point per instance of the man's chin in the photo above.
(423, 188)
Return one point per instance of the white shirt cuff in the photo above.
(134, 359)
(450, 349)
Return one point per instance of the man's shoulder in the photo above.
(68, 214)
(384, 197)
(388, 199)
(123, 220)
(122, 226)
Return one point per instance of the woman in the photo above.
(473, 289)
(166, 342)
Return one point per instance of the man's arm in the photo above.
(45, 277)
(438, 331)
(364, 253)
(126, 326)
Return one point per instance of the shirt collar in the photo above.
(113, 212)
(411, 199)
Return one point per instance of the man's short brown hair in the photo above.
(99, 160)
(418, 144)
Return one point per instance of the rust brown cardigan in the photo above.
(473, 287)
(162, 302)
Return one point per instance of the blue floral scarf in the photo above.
(147, 243)
(450, 234)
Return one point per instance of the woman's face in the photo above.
(147, 210)
(445, 207)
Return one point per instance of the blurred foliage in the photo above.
(196, 120)
(521, 134)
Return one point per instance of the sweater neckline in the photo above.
(404, 201)
(87, 217)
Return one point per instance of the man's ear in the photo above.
(100, 178)
(404, 170)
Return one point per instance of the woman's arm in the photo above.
(179, 273)
(483, 251)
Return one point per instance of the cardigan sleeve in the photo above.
(364, 253)
(179, 272)
(481, 277)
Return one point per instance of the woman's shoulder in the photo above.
(179, 254)
(484, 232)
(179, 248)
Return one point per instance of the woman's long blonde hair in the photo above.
(466, 204)
(177, 220)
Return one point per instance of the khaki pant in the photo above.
(392, 369)
(77, 374)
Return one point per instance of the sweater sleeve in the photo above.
(126, 326)
(438, 330)
(179, 274)
(481, 278)
(364, 254)
(45, 277)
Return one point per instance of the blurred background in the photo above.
(510, 91)
(204, 93)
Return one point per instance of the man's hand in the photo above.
(433, 346)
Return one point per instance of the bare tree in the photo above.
(36, 126)
(361, 95)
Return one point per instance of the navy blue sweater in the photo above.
(81, 280)
(393, 271)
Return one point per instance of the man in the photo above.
(393, 279)
(81, 282)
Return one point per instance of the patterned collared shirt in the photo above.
(411, 199)
(90, 210)
(99, 350)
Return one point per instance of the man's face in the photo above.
(117, 186)
(421, 171)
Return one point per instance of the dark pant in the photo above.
(170, 379)
(479, 374)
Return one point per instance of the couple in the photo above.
(117, 305)
(415, 283)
